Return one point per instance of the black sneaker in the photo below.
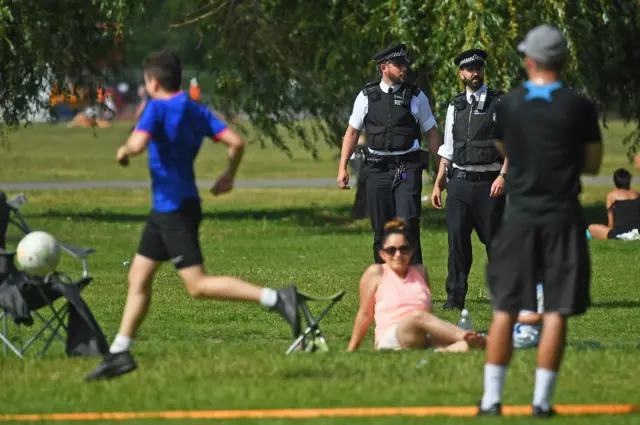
(539, 412)
(287, 306)
(452, 304)
(113, 366)
(495, 410)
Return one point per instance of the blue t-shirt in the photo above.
(177, 127)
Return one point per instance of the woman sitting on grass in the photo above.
(397, 295)
(623, 210)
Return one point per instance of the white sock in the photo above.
(545, 382)
(268, 297)
(494, 376)
(120, 344)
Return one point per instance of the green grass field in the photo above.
(54, 152)
(200, 355)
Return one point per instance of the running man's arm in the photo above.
(235, 144)
(140, 137)
(219, 131)
(368, 285)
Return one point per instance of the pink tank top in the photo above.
(396, 297)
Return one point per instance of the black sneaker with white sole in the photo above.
(495, 410)
(113, 365)
(287, 306)
(539, 412)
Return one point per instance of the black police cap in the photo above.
(471, 57)
(396, 53)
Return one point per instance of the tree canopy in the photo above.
(281, 60)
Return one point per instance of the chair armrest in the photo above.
(17, 201)
(4, 253)
(77, 251)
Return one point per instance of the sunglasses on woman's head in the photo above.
(391, 250)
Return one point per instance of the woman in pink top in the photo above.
(398, 297)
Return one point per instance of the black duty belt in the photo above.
(407, 158)
(475, 176)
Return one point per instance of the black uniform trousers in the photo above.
(469, 207)
(394, 189)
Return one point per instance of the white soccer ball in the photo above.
(38, 254)
(525, 336)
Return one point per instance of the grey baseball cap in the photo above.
(546, 44)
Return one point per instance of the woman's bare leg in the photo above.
(413, 330)
(599, 231)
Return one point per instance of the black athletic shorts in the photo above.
(174, 235)
(556, 253)
(616, 232)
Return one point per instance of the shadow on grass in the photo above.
(335, 219)
(616, 304)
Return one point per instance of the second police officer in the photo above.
(472, 170)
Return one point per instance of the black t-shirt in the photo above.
(545, 130)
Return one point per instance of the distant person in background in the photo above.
(101, 113)
(359, 210)
(623, 210)
(194, 90)
(144, 98)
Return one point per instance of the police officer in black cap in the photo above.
(472, 170)
(394, 115)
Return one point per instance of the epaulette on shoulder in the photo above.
(370, 91)
(415, 90)
(494, 92)
(460, 101)
(369, 87)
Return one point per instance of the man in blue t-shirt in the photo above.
(172, 128)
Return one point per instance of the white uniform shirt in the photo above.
(446, 150)
(419, 108)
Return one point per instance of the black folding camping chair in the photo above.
(23, 297)
(312, 339)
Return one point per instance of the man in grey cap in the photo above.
(550, 136)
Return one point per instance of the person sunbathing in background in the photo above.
(623, 210)
(398, 296)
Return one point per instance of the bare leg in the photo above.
(413, 330)
(500, 341)
(552, 341)
(471, 340)
(200, 285)
(139, 296)
(599, 231)
(499, 351)
(550, 354)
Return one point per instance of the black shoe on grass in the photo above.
(113, 365)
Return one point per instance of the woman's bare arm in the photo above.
(610, 200)
(368, 285)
